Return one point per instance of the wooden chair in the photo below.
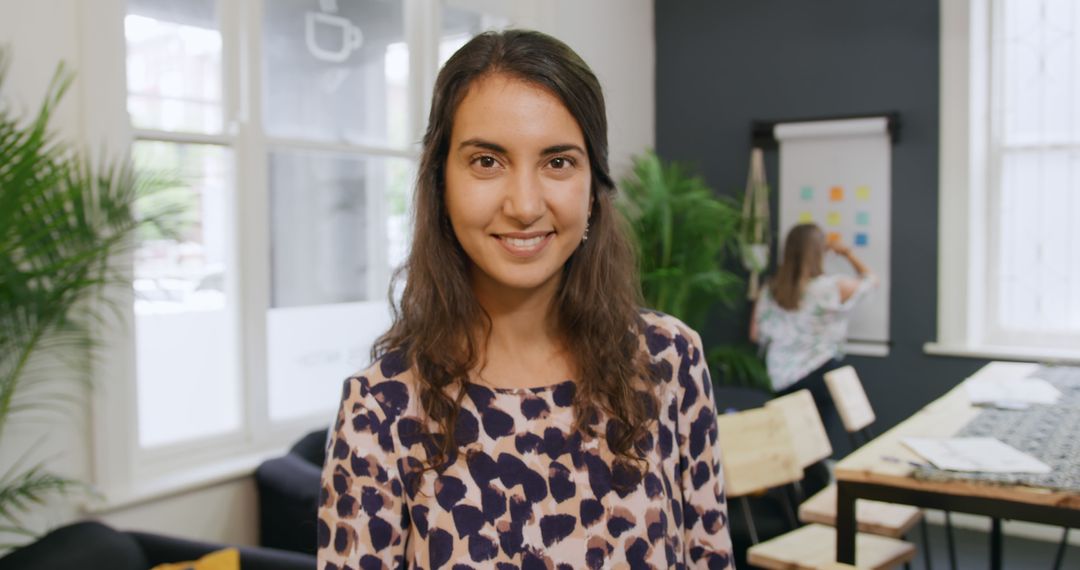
(851, 403)
(759, 454)
(812, 445)
(885, 519)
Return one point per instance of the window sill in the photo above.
(185, 481)
(990, 352)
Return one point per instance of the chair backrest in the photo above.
(804, 424)
(757, 451)
(850, 398)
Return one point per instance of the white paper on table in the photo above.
(1023, 390)
(974, 454)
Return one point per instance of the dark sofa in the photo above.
(93, 545)
(289, 495)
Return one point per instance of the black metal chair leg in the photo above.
(925, 532)
(1060, 556)
(950, 540)
(749, 520)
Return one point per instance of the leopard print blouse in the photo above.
(525, 490)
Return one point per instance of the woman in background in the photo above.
(802, 316)
(522, 411)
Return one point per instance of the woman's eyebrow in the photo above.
(559, 148)
(495, 147)
(483, 144)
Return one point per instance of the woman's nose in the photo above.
(525, 199)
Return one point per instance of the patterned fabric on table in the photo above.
(1051, 434)
(525, 490)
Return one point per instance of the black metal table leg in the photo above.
(995, 544)
(845, 524)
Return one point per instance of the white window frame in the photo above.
(123, 472)
(964, 195)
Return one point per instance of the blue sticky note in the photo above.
(862, 218)
(807, 193)
(861, 239)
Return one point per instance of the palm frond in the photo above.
(64, 223)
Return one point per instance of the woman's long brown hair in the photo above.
(804, 254)
(596, 305)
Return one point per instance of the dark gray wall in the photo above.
(722, 64)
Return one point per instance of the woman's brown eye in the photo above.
(558, 162)
(487, 161)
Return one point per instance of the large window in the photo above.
(290, 131)
(1034, 181)
(1010, 179)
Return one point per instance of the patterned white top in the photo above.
(798, 342)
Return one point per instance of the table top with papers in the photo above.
(888, 461)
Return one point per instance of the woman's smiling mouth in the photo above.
(524, 244)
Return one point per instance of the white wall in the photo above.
(614, 36)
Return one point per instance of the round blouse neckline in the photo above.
(525, 390)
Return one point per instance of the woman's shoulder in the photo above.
(661, 331)
(387, 382)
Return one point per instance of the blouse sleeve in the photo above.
(363, 520)
(829, 296)
(705, 519)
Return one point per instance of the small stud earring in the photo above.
(585, 236)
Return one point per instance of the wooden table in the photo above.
(881, 471)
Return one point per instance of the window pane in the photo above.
(1039, 252)
(336, 71)
(339, 227)
(174, 65)
(186, 358)
(460, 25)
(1038, 47)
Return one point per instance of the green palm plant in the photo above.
(63, 222)
(685, 236)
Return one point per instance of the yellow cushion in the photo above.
(227, 559)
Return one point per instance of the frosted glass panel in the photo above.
(336, 70)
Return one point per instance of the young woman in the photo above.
(523, 412)
(802, 317)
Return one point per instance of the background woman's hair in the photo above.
(596, 306)
(804, 251)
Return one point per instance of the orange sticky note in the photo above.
(833, 219)
(833, 237)
(836, 193)
(806, 218)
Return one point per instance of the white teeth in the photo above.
(524, 243)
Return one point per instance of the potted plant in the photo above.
(685, 237)
(63, 222)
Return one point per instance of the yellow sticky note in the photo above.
(833, 219)
(836, 193)
(862, 192)
(806, 218)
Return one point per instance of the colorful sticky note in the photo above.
(833, 219)
(861, 239)
(832, 237)
(862, 218)
(807, 193)
(862, 192)
(806, 218)
(836, 193)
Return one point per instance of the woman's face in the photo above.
(517, 184)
